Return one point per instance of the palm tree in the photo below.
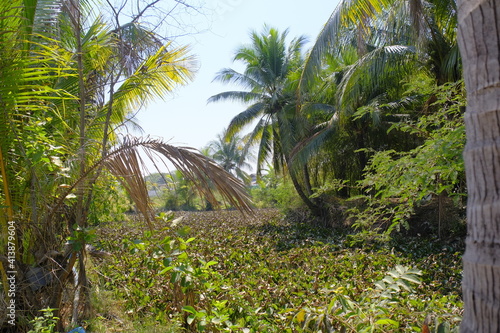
(100, 56)
(269, 77)
(58, 131)
(362, 93)
(229, 153)
(430, 26)
(27, 147)
(479, 44)
(348, 103)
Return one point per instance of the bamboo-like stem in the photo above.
(81, 209)
(81, 94)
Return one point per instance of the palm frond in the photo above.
(347, 13)
(291, 129)
(25, 84)
(156, 78)
(125, 162)
(323, 108)
(296, 46)
(236, 96)
(324, 43)
(244, 118)
(203, 171)
(134, 44)
(228, 75)
(373, 74)
(310, 146)
(452, 64)
(264, 133)
(29, 13)
(246, 54)
(45, 17)
(98, 45)
(275, 149)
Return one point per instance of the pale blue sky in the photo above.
(185, 119)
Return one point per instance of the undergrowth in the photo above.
(224, 272)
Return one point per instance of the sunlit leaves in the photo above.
(155, 78)
(268, 274)
(398, 182)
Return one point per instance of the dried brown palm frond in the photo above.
(126, 163)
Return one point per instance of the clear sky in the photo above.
(185, 118)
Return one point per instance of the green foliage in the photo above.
(80, 237)
(443, 327)
(263, 274)
(379, 309)
(64, 97)
(275, 191)
(373, 309)
(396, 183)
(44, 324)
(435, 166)
(179, 193)
(160, 264)
(67, 88)
(270, 80)
(109, 201)
(231, 153)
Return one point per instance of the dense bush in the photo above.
(396, 183)
(273, 191)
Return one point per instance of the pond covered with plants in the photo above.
(226, 272)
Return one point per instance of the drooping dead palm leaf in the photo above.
(126, 163)
(126, 166)
(203, 171)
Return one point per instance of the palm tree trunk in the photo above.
(307, 180)
(80, 207)
(479, 41)
(315, 209)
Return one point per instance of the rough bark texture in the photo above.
(479, 41)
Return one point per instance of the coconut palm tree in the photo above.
(390, 51)
(229, 153)
(268, 63)
(394, 40)
(269, 78)
(29, 152)
(479, 43)
(58, 131)
(430, 26)
(350, 101)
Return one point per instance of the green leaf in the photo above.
(190, 319)
(443, 328)
(387, 321)
(211, 263)
(166, 269)
(190, 309)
